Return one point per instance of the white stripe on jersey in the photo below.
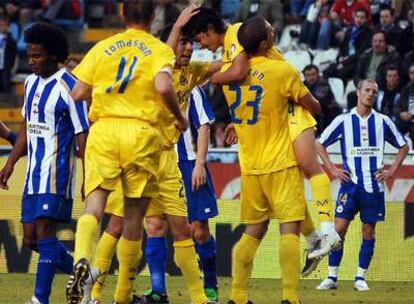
(198, 113)
(52, 120)
(362, 144)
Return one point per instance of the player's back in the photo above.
(258, 108)
(122, 70)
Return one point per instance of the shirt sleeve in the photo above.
(295, 87)
(392, 135)
(85, 70)
(200, 112)
(164, 61)
(78, 111)
(24, 98)
(333, 132)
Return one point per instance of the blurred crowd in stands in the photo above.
(343, 41)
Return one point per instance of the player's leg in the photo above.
(47, 244)
(346, 208)
(289, 259)
(372, 210)
(186, 258)
(366, 253)
(156, 256)
(244, 254)
(129, 246)
(202, 205)
(206, 250)
(29, 236)
(104, 253)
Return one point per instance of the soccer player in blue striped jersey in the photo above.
(53, 127)
(201, 199)
(362, 134)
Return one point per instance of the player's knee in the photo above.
(156, 227)
(201, 235)
(115, 229)
(181, 231)
(368, 232)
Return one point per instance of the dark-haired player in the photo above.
(208, 29)
(52, 124)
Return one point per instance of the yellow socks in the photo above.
(85, 235)
(186, 259)
(129, 255)
(103, 257)
(289, 258)
(306, 226)
(322, 196)
(245, 251)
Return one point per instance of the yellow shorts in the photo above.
(171, 199)
(299, 120)
(277, 195)
(115, 202)
(126, 151)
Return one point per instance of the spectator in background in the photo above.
(58, 9)
(71, 63)
(357, 40)
(389, 94)
(320, 88)
(393, 31)
(404, 110)
(374, 62)
(271, 10)
(342, 15)
(8, 53)
(407, 42)
(316, 29)
(166, 12)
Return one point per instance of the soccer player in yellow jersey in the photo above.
(170, 205)
(271, 183)
(208, 29)
(129, 78)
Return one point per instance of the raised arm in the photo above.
(237, 72)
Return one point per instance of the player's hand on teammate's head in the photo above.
(182, 125)
(186, 15)
(5, 174)
(230, 135)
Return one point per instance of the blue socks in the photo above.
(65, 260)
(335, 257)
(365, 256)
(156, 255)
(48, 255)
(207, 254)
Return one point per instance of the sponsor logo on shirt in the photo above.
(365, 151)
(39, 129)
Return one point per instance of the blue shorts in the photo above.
(202, 204)
(52, 206)
(353, 199)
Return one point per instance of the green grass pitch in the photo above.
(18, 288)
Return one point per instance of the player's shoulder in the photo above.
(31, 78)
(67, 79)
(382, 117)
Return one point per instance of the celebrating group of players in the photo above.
(144, 102)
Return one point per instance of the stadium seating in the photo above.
(299, 59)
(323, 59)
(337, 87)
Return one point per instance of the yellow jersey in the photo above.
(121, 70)
(232, 47)
(258, 112)
(184, 79)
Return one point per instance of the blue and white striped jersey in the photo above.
(362, 143)
(198, 113)
(52, 120)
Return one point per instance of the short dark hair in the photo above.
(166, 33)
(201, 22)
(381, 32)
(393, 67)
(361, 10)
(138, 11)
(387, 8)
(310, 67)
(52, 38)
(251, 33)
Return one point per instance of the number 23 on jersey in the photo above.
(245, 111)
